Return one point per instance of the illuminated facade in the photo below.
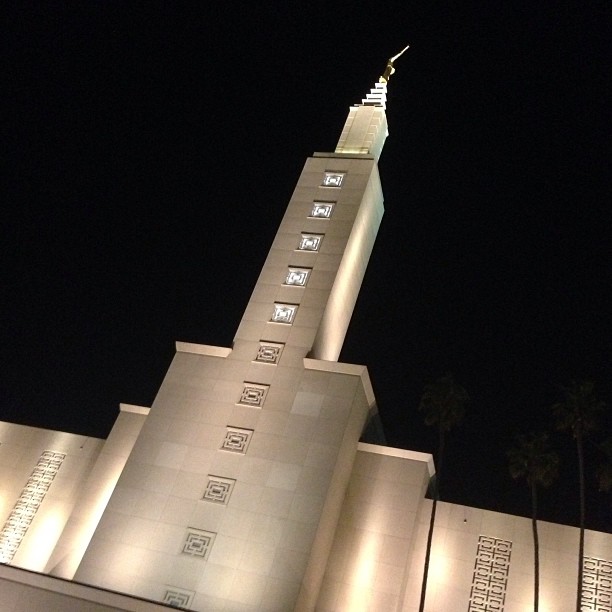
(245, 486)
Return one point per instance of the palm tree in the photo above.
(443, 402)
(533, 460)
(578, 413)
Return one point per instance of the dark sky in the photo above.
(150, 152)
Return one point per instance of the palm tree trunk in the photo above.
(582, 515)
(536, 546)
(432, 519)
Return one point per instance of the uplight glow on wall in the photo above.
(29, 502)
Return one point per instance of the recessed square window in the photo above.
(253, 395)
(198, 543)
(321, 210)
(218, 490)
(297, 276)
(237, 440)
(269, 352)
(333, 179)
(310, 242)
(284, 313)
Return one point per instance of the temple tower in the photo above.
(232, 493)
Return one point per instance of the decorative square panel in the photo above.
(596, 585)
(333, 179)
(490, 576)
(297, 276)
(269, 352)
(284, 313)
(178, 598)
(237, 440)
(198, 543)
(322, 210)
(253, 394)
(27, 505)
(310, 242)
(218, 490)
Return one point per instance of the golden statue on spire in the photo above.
(389, 70)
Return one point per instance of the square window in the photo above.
(237, 440)
(253, 395)
(321, 210)
(218, 490)
(198, 543)
(333, 179)
(284, 313)
(297, 276)
(269, 352)
(310, 242)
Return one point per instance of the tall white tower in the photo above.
(232, 493)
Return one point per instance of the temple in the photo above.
(259, 479)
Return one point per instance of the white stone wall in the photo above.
(21, 447)
(454, 551)
(368, 566)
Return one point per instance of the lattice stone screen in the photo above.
(596, 585)
(269, 352)
(218, 490)
(27, 505)
(490, 576)
(236, 440)
(178, 598)
(198, 543)
(253, 394)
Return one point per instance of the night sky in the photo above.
(151, 150)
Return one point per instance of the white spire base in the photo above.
(365, 129)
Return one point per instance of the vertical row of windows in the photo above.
(218, 489)
(308, 242)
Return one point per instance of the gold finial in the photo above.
(389, 69)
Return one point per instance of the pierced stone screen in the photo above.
(596, 585)
(198, 543)
(490, 576)
(218, 490)
(269, 352)
(237, 440)
(253, 395)
(178, 598)
(27, 505)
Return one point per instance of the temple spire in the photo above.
(365, 129)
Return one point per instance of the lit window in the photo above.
(322, 210)
(284, 313)
(297, 276)
(310, 242)
(333, 179)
